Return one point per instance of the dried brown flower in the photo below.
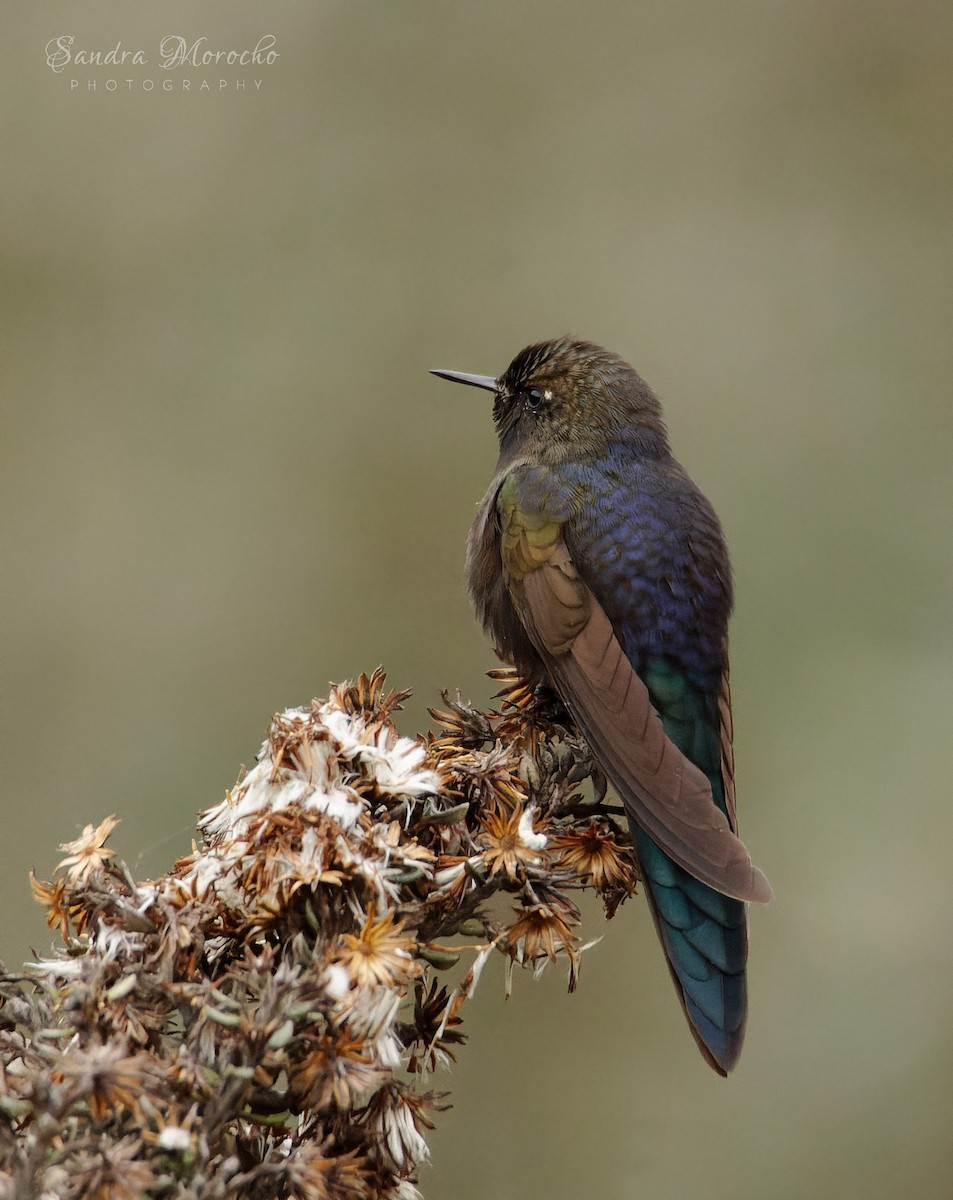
(339, 1071)
(113, 1171)
(105, 1076)
(595, 853)
(256, 1023)
(379, 954)
(88, 852)
(537, 933)
(511, 842)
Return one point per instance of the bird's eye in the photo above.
(533, 398)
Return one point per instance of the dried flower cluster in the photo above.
(262, 1022)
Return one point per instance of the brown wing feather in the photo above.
(667, 795)
(727, 750)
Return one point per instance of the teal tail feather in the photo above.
(704, 935)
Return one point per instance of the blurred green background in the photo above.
(228, 478)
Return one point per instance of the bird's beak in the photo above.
(480, 381)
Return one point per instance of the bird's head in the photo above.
(567, 399)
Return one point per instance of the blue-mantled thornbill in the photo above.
(598, 568)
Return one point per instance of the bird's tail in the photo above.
(705, 938)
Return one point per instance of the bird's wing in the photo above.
(666, 794)
(727, 750)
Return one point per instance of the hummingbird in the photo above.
(597, 567)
